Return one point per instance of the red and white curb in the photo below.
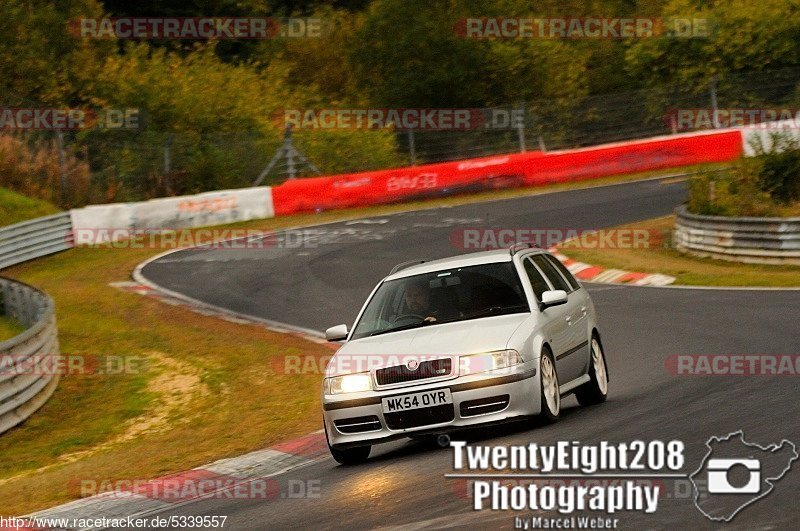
(591, 273)
(246, 475)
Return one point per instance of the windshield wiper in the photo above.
(496, 310)
(404, 327)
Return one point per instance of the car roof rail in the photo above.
(517, 247)
(403, 265)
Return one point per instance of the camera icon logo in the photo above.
(718, 476)
(736, 473)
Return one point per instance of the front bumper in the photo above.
(477, 400)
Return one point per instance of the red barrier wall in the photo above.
(502, 171)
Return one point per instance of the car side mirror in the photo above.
(553, 298)
(336, 333)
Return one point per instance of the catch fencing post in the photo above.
(167, 160)
(412, 152)
(520, 125)
(290, 153)
(62, 170)
(713, 91)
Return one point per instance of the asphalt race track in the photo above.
(403, 484)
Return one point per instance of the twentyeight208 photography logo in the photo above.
(735, 473)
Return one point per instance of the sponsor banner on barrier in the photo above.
(503, 171)
(101, 224)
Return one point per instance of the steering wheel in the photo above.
(408, 315)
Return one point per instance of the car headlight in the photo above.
(348, 383)
(489, 361)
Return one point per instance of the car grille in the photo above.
(358, 424)
(419, 417)
(482, 406)
(401, 374)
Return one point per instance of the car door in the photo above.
(553, 320)
(571, 356)
(580, 317)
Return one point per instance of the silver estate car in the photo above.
(471, 340)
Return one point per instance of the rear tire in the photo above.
(595, 391)
(548, 379)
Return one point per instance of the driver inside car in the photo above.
(417, 300)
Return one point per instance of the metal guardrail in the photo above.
(745, 239)
(29, 362)
(38, 237)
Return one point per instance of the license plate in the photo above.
(417, 400)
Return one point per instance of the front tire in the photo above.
(350, 456)
(551, 397)
(595, 391)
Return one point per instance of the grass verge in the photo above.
(9, 328)
(15, 207)
(200, 388)
(687, 270)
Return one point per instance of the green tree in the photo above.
(743, 36)
(41, 61)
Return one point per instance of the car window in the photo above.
(443, 296)
(573, 282)
(551, 273)
(538, 283)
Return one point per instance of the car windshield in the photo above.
(443, 296)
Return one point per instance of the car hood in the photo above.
(463, 337)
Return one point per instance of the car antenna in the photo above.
(402, 265)
(514, 249)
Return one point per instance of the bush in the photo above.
(729, 193)
(779, 174)
(767, 184)
(32, 168)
